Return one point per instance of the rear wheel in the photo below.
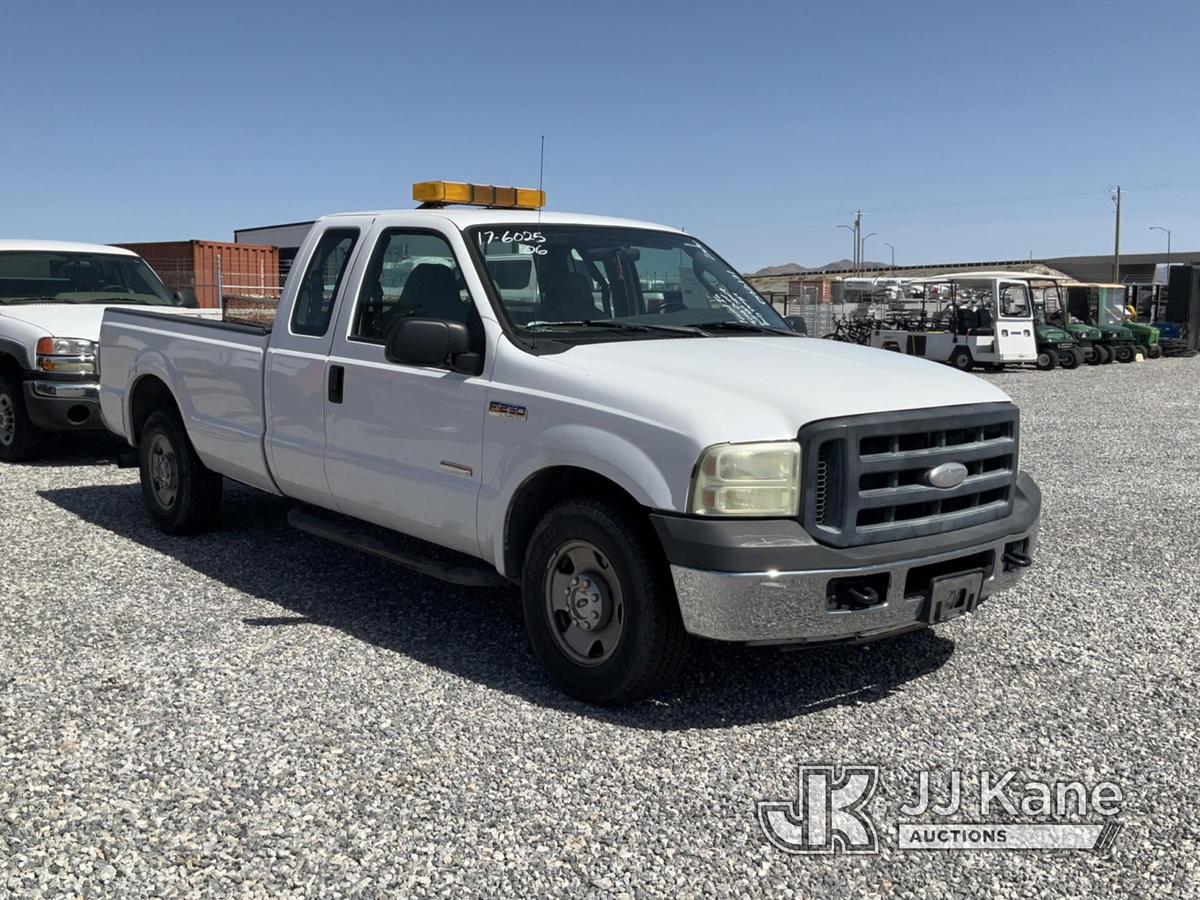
(19, 437)
(599, 604)
(1047, 359)
(1124, 353)
(182, 495)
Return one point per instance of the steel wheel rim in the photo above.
(164, 471)
(584, 604)
(8, 420)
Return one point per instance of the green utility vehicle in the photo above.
(1053, 315)
(1058, 337)
(1055, 347)
(1103, 306)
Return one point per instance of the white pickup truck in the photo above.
(627, 431)
(52, 297)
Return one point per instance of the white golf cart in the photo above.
(966, 320)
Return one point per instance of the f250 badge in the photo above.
(507, 410)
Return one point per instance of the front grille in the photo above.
(866, 476)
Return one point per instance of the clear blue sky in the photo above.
(964, 131)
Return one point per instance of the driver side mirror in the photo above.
(186, 297)
(432, 342)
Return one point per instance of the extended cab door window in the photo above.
(411, 274)
(322, 278)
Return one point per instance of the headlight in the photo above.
(747, 480)
(66, 356)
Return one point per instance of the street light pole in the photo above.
(862, 247)
(854, 240)
(1116, 196)
(1167, 231)
(892, 247)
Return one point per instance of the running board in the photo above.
(412, 553)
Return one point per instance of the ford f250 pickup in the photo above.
(599, 410)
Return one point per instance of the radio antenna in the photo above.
(541, 173)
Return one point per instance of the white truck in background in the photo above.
(646, 468)
(52, 297)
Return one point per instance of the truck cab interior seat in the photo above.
(569, 298)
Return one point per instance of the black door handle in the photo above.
(337, 379)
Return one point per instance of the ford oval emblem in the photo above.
(947, 475)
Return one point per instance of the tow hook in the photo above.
(1018, 560)
(853, 595)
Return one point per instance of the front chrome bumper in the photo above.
(794, 607)
(65, 390)
(63, 405)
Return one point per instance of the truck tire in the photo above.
(1124, 353)
(961, 360)
(182, 495)
(1047, 360)
(1067, 358)
(20, 439)
(600, 607)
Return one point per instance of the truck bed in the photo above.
(213, 369)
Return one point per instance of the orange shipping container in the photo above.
(215, 270)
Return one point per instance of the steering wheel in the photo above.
(671, 306)
(111, 289)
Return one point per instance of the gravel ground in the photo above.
(255, 712)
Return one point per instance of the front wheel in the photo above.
(1067, 358)
(1125, 353)
(1047, 360)
(600, 607)
(1155, 351)
(182, 495)
(19, 437)
(1094, 355)
(1106, 354)
(961, 360)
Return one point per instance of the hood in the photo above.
(756, 388)
(1084, 331)
(77, 321)
(1050, 333)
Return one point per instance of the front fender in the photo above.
(582, 447)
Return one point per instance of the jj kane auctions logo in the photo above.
(829, 813)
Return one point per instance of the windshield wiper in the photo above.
(617, 325)
(742, 326)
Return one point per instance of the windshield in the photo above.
(577, 279)
(1111, 302)
(37, 276)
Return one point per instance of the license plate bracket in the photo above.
(951, 596)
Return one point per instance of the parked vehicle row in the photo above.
(996, 319)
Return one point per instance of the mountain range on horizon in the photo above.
(797, 269)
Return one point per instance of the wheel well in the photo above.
(542, 491)
(149, 394)
(9, 365)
